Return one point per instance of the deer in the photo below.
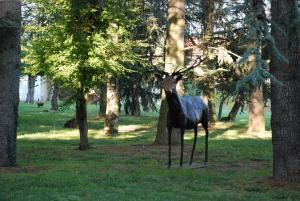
(185, 112)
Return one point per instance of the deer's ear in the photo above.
(178, 78)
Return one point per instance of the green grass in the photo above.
(126, 166)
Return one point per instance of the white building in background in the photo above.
(40, 89)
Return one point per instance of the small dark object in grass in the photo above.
(39, 103)
(72, 123)
(45, 111)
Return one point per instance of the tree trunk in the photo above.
(256, 121)
(127, 104)
(55, 94)
(235, 109)
(223, 99)
(135, 101)
(209, 96)
(285, 97)
(9, 81)
(81, 115)
(145, 103)
(30, 91)
(209, 91)
(112, 109)
(256, 117)
(174, 56)
(103, 99)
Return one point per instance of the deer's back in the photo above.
(193, 108)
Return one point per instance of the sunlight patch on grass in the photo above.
(242, 134)
(130, 128)
(61, 135)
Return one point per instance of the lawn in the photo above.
(127, 167)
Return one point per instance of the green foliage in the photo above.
(76, 46)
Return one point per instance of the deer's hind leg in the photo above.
(169, 143)
(194, 145)
(205, 126)
(182, 146)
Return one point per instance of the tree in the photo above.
(174, 57)
(256, 122)
(55, 95)
(285, 97)
(30, 91)
(209, 90)
(112, 107)
(102, 99)
(10, 15)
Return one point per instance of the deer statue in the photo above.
(185, 112)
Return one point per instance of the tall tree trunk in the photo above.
(235, 108)
(223, 99)
(30, 91)
(209, 91)
(9, 81)
(81, 115)
(210, 99)
(145, 102)
(112, 109)
(256, 121)
(127, 104)
(256, 117)
(285, 97)
(174, 56)
(55, 94)
(135, 101)
(103, 99)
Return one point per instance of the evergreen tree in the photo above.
(285, 97)
(10, 18)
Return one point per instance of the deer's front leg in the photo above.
(182, 145)
(169, 143)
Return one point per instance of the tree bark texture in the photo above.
(210, 98)
(102, 99)
(209, 91)
(9, 80)
(112, 109)
(223, 99)
(285, 97)
(235, 108)
(174, 57)
(81, 115)
(146, 102)
(55, 94)
(256, 117)
(30, 90)
(135, 108)
(256, 121)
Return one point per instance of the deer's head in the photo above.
(170, 80)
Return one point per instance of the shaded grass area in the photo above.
(128, 167)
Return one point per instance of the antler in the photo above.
(156, 70)
(194, 65)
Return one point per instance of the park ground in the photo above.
(127, 167)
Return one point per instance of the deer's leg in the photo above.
(169, 143)
(182, 146)
(194, 145)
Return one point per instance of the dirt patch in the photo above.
(281, 184)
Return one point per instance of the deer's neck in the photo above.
(174, 102)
